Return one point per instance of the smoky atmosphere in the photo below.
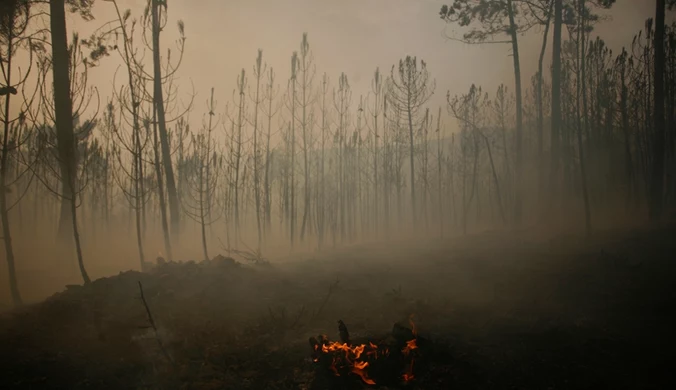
(337, 194)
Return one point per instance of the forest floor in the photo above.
(509, 310)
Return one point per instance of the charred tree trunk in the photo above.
(63, 110)
(556, 104)
(657, 173)
(268, 189)
(256, 171)
(158, 100)
(160, 193)
(439, 177)
(292, 141)
(241, 86)
(580, 127)
(305, 128)
(624, 113)
(4, 212)
(409, 117)
(322, 189)
(541, 115)
(519, 115)
(63, 114)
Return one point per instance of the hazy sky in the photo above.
(351, 36)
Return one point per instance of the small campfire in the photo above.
(387, 361)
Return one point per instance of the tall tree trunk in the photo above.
(440, 201)
(657, 178)
(582, 42)
(409, 116)
(158, 100)
(138, 191)
(137, 154)
(580, 84)
(322, 194)
(238, 154)
(556, 105)
(624, 113)
(6, 231)
(519, 116)
(268, 197)
(451, 180)
(376, 194)
(63, 111)
(306, 166)
(160, 193)
(292, 172)
(202, 194)
(63, 115)
(541, 115)
(4, 212)
(425, 169)
(256, 162)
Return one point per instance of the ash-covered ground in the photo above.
(507, 310)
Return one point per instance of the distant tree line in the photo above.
(298, 157)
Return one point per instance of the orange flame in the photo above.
(355, 359)
(352, 356)
(408, 348)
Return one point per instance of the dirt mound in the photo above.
(195, 306)
(215, 324)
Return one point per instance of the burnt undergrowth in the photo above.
(493, 312)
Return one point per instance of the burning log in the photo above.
(387, 361)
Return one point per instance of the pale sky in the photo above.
(351, 36)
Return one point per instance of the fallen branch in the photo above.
(152, 324)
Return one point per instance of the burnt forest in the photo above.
(337, 194)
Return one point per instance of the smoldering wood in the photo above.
(385, 357)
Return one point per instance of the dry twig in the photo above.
(152, 324)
